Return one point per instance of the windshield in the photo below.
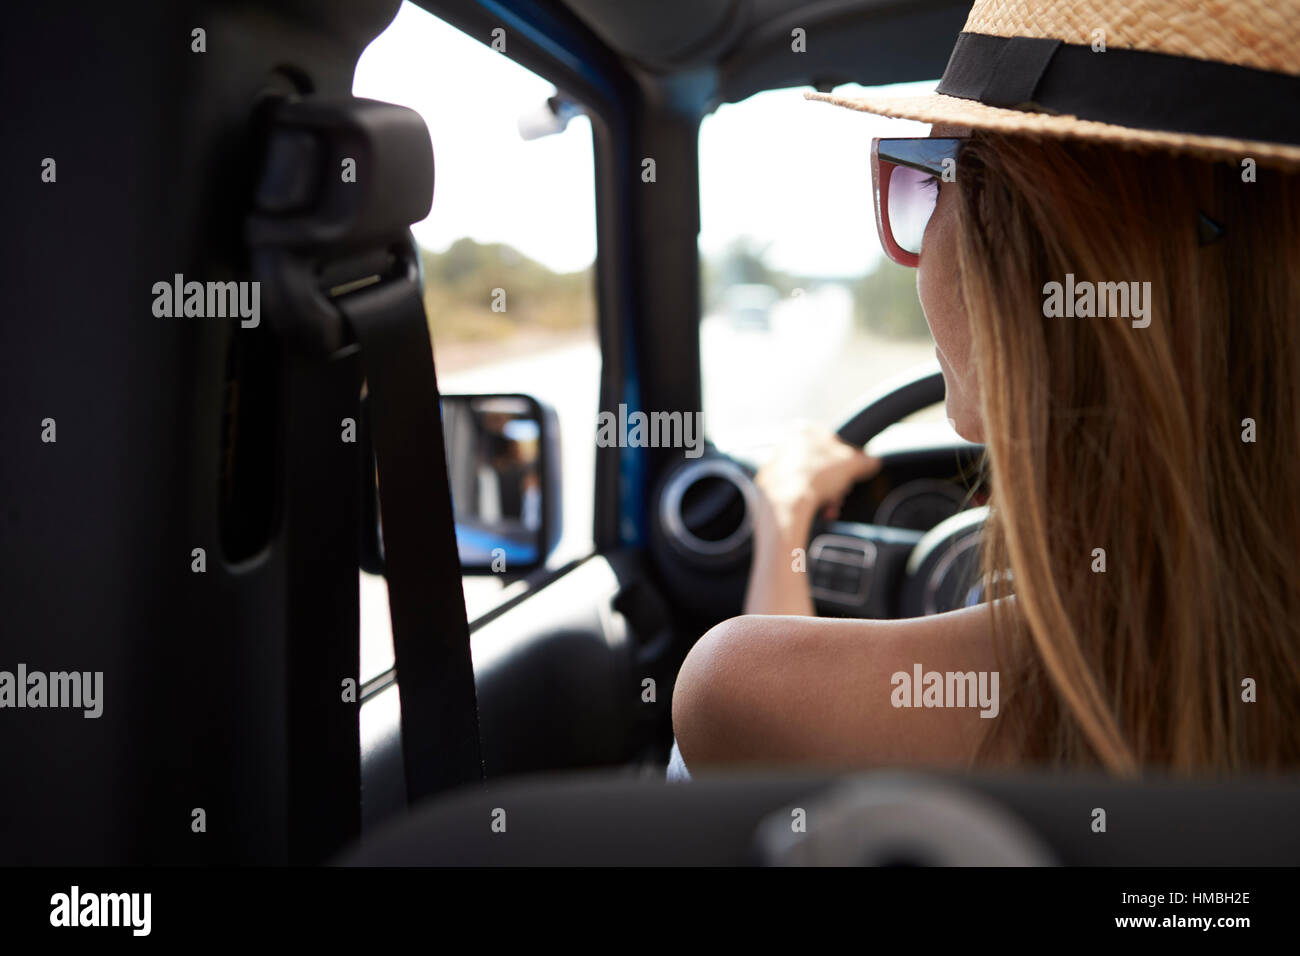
(802, 314)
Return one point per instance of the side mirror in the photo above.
(503, 465)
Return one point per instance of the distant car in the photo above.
(749, 305)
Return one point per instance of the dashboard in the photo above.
(920, 504)
(904, 544)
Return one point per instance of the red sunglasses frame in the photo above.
(922, 152)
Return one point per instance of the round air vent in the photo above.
(705, 509)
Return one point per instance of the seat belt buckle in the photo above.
(341, 182)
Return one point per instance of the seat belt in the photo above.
(340, 270)
(435, 671)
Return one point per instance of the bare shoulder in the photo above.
(780, 690)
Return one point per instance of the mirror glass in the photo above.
(494, 450)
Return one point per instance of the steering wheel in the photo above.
(894, 401)
(867, 570)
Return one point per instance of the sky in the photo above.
(776, 168)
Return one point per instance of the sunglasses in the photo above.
(905, 177)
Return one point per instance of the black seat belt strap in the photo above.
(316, 235)
(435, 672)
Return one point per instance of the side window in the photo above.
(508, 251)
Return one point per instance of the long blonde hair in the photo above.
(1128, 446)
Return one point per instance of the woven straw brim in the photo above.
(954, 111)
(1262, 34)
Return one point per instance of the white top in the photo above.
(677, 772)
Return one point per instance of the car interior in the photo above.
(202, 535)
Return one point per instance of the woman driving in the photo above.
(1105, 223)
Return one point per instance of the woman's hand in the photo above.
(811, 474)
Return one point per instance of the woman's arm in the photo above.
(775, 587)
(778, 691)
(809, 476)
(780, 686)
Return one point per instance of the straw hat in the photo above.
(1217, 78)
